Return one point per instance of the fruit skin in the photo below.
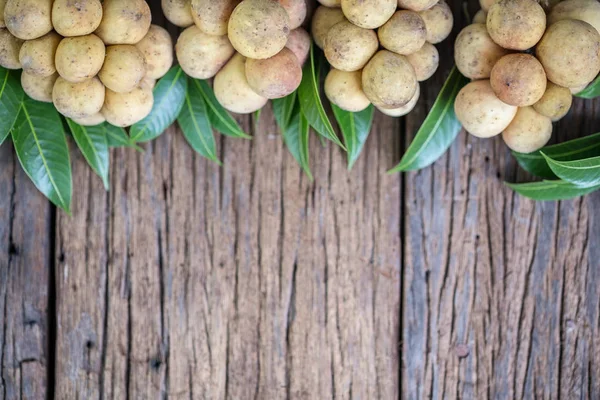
(518, 79)
(516, 24)
(480, 17)
(388, 80)
(92, 120)
(405, 109)
(37, 56)
(80, 58)
(323, 19)
(299, 43)
(331, 3)
(232, 89)
(126, 109)
(259, 28)
(78, 100)
(480, 111)
(529, 131)
(404, 33)
(297, 11)
(555, 103)
(157, 49)
(369, 14)
(212, 17)
(38, 87)
(583, 10)
(28, 19)
(274, 77)
(10, 46)
(416, 5)
(570, 53)
(124, 21)
(200, 55)
(438, 21)
(178, 12)
(2, 5)
(123, 69)
(425, 61)
(76, 18)
(344, 89)
(475, 53)
(349, 47)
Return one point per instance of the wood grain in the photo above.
(26, 240)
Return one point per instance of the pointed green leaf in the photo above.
(582, 173)
(296, 137)
(220, 119)
(439, 129)
(535, 164)
(591, 91)
(41, 147)
(116, 136)
(195, 125)
(355, 127)
(92, 143)
(283, 108)
(11, 96)
(169, 96)
(310, 100)
(550, 190)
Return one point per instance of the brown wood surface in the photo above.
(189, 280)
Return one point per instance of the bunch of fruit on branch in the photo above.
(96, 62)
(525, 62)
(254, 49)
(380, 50)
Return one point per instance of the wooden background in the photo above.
(187, 280)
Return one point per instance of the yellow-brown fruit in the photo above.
(583, 10)
(296, 10)
(80, 58)
(232, 89)
(299, 43)
(10, 46)
(274, 77)
(323, 19)
(388, 80)
(405, 109)
(28, 19)
(200, 55)
(480, 17)
(78, 100)
(123, 69)
(2, 5)
(529, 131)
(555, 103)
(516, 24)
(157, 48)
(124, 21)
(518, 79)
(178, 12)
(344, 89)
(369, 14)
(416, 5)
(259, 28)
(37, 55)
(404, 33)
(438, 21)
(126, 109)
(331, 3)
(475, 53)
(212, 17)
(349, 47)
(425, 61)
(76, 18)
(92, 120)
(38, 87)
(570, 53)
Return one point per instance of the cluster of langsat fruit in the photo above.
(351, 33)
(525, 66)
(254, 49)
(96, 61)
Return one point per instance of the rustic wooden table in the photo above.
(187, 280)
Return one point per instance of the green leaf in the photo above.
(355, 129)
(92, 143)
(283, 109)
(41, 147)
(117, 136)
(582, 173)
(550, 190)
(439, 129)
(11, 97)
(591, 91)
(296, 137)
(535, 164)
(310, 100)
(193, 121)
(219, 118)
(169, 96)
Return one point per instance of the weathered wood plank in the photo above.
(501, 293)
(25, 239)
(246, 281)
